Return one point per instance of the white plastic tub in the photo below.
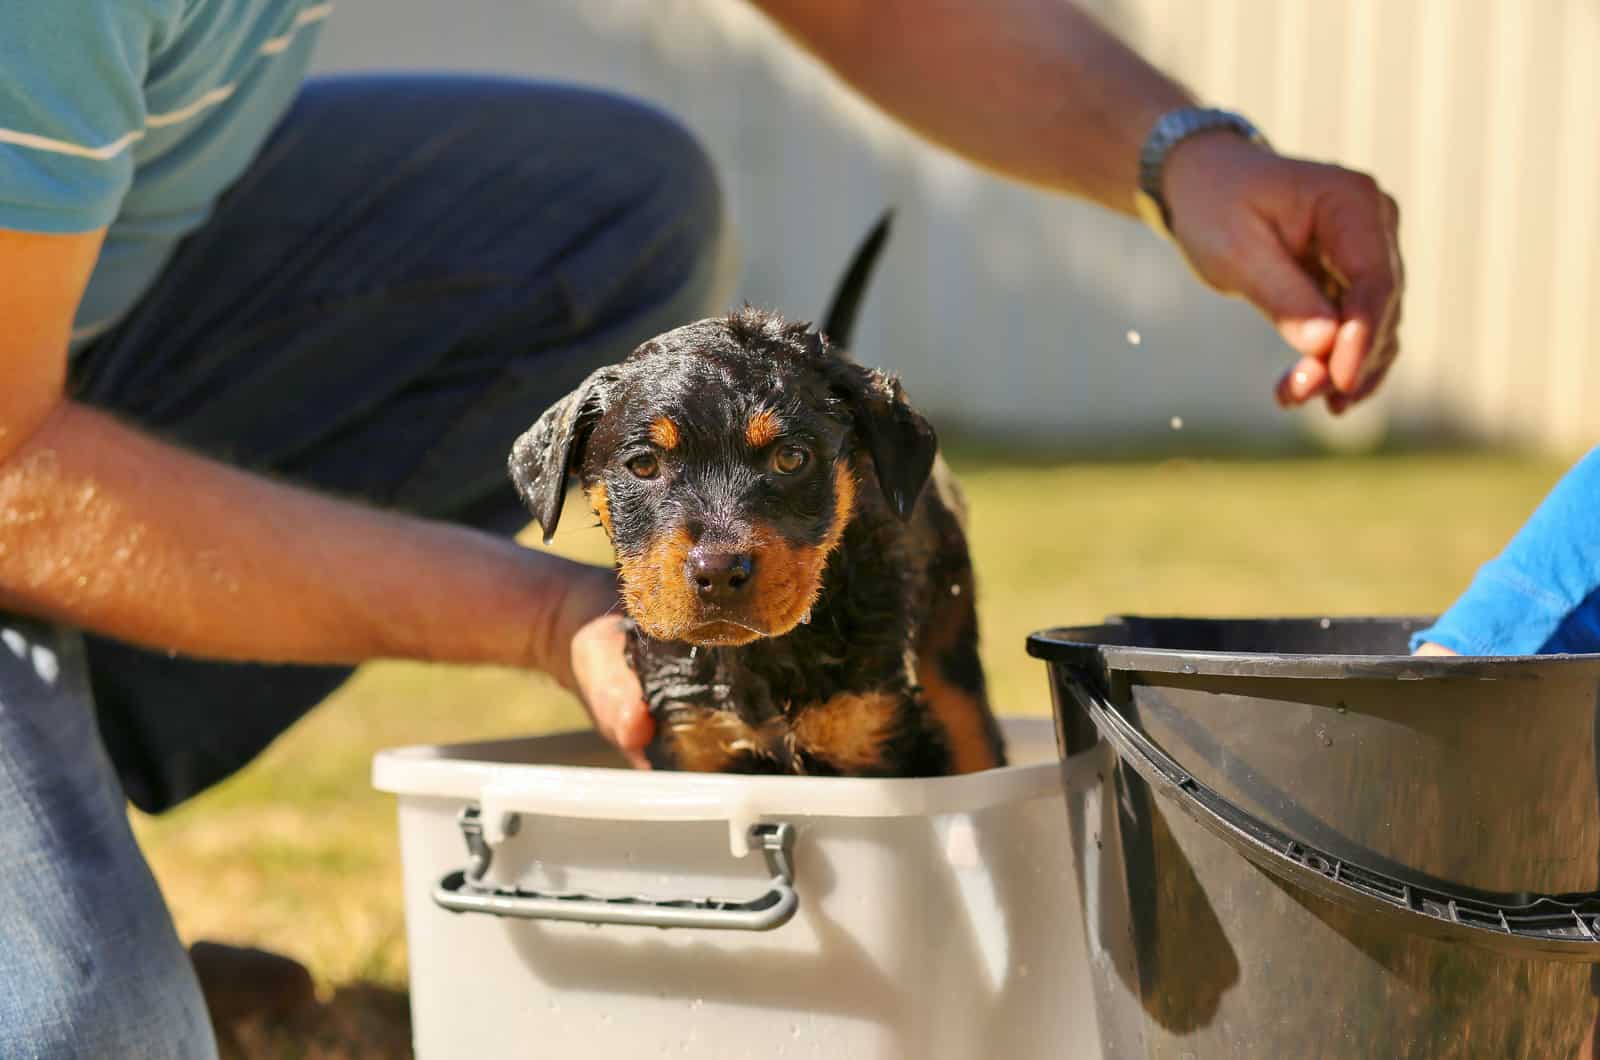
(933, 917)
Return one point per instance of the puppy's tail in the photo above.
(840, 321)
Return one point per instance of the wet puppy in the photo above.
(790, 549)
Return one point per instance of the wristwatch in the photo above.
(1170, 130)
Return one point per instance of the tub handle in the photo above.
(1547, 925)
(463, 891)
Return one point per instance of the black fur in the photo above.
(835, 690)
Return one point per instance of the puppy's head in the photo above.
(722, 459)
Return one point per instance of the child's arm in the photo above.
(1541, 595)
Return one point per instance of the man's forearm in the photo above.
(1035, 89)
(107, 529)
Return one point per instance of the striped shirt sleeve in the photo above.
(71, 109)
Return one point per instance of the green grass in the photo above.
(299, 855)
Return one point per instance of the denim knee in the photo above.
(90, 965)
(661, 240)
(108, 998)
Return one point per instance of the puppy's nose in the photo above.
(720, 576)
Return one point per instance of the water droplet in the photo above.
(694, 649)
(955, 590)
(1326, 623)
(1341, 707)
(1324, 738)
(1188, 668)
(805, 619)
(1176, 423)
(1134, 338)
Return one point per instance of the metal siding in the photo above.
(1008, 310)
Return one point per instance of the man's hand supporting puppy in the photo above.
(123, 534)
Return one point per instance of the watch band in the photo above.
(1171, 129)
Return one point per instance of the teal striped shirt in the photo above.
(136, 115)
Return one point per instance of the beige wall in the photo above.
(1008, 310)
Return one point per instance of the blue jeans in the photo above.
(409, 273)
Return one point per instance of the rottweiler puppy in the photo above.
(790, 548)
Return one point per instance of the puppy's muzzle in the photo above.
(718, 577)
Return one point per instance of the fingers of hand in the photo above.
(1304, 380)
(610, 689)
(1263, 270)
(1357, 225)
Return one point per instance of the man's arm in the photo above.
(106, 528)
(1039, 91)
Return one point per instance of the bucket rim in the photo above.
(1107, 646)
(459, 771)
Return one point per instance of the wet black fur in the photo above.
(901, 546)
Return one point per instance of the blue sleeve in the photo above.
(71, 108)
(1542, 594)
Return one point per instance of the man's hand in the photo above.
(1038, 90)
(585, 652)
(1314, 247)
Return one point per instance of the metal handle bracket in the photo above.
(462, 891)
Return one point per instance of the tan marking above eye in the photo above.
(763, 429)
(664, 433)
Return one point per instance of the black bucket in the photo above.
(1375, 855)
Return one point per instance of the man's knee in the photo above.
(659, 232)
(89, 962)
(103, 998)
(572, 209)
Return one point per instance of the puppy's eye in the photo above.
(644, 466)
(789, 459)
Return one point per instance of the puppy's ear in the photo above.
(552, 448)
(901, 443)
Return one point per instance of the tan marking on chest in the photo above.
(664, 433)
(847, 730)
(705, 740)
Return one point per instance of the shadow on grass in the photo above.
(361, 1021)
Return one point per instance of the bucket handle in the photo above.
(463, 891)
(1565, 926)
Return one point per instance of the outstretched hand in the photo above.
(586, 651)
(1314, 247)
